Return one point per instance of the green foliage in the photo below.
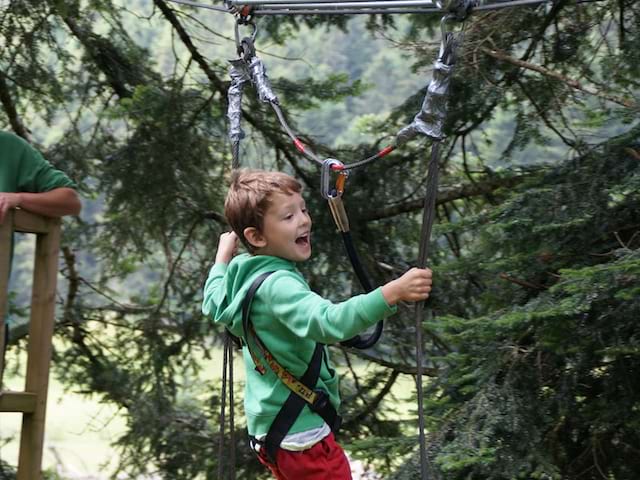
(544, 387)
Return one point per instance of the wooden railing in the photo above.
(31, 402)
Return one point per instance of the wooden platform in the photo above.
(31, 402)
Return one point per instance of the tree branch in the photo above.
(373, 405)
(10, 109)
(397, 366)
(503, 56)
(102, 52)
(447, 195)
(195, 54)
(522, 283)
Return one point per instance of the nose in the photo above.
(306, 218)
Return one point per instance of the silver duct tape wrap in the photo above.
(430, 120)
(261, 81)
(239, 78)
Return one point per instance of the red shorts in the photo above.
(324, 461)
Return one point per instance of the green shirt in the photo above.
(24, 169)
(290, 319)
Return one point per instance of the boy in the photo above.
(268, 215)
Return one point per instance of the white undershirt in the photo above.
(296, 442)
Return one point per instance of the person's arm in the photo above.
(54, 203)
(212, 294)
(309, 315)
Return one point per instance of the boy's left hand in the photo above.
(227, 247)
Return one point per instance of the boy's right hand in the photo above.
(413, 286)
(227, 247)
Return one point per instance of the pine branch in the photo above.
(220, 87)
(541, 112)
(446, 195)
(400, 367)
(373, 405)
(103, 54)
(74, 282)
(10, 109)
(195, 54)
(503, 56)
(522, 283)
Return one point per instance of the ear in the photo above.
(254, 237)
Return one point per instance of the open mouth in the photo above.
(303, 240)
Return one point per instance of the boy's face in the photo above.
(286, 230)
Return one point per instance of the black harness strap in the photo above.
(303, 390)
(294, 405)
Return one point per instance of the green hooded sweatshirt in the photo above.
(290, 319)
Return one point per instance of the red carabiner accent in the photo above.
(245, 12)
(299, 145)
(385, 151)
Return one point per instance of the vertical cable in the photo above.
(425, 235)
(223, 400)
(232, 426)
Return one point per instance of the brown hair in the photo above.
(249, 198)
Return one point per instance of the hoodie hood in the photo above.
(237, 280)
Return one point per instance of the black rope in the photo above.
(223, 400)
(360, 342)
(232, 425)
(423, 254)
(227, 366)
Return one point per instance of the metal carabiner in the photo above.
(334, 197)
(245, 46)
(328, 165)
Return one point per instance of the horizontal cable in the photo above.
(347, 4)
(355, 7)
(340, 11)
(276, 2)
(202, 5)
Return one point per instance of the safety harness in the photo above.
(303, 390)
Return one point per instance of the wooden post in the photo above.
(6, 231)
(43, 299)
(33, 401)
